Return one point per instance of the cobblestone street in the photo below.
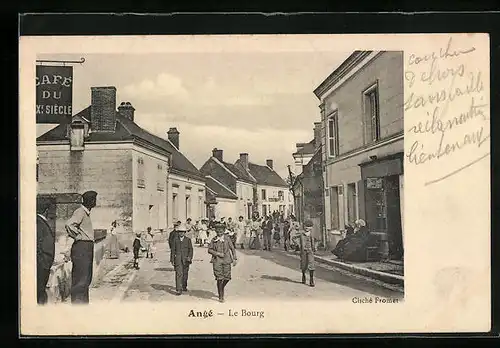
(258, 275)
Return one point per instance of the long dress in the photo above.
(240, 233)
(113, 248)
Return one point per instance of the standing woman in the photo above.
(113, 242)
(223, 255)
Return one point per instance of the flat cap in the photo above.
(89, 195)
(220, 226)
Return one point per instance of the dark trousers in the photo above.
(181, 276)
(82, 256)
(267, 240)
(42, 277)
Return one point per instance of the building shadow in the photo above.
(203, 294)
(287, 259)
(281, 279)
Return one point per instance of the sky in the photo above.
(260, 103)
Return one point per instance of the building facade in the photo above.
(237, 182)
(270, 192)
(307, 185)
(362, 146)
(136, 174)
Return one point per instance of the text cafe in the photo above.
(54, 93)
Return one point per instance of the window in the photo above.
(280, 195)
(76, 137)
(372, 114)
(188, 207)
(175, 207)
(140, 173)
(334, 208)
(333, 135)
(263, 194)
(160, 183)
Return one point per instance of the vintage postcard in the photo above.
(255, 184)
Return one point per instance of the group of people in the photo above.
(220, 237)
(79, 228)
(355, 243)
(222, 247)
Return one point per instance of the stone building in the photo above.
(363, 145)
(142, 180)
(236, 182)
(270, 191)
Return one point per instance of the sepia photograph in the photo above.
(226, 178)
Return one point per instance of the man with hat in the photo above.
(307, 250)
(79, 228)
(181, 256)
(45, 249)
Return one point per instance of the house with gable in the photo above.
(225, 180)
(271, 192)
(142, 180)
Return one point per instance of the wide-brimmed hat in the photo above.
(181, 227)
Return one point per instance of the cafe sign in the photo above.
(54, 94)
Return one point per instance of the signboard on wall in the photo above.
(374, 183)
(54, 94)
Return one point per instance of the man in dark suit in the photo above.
(181, 256)
(45, 249)
(172, 234)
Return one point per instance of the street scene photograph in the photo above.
(220, 176)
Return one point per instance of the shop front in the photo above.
(382, 179)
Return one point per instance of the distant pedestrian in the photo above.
(79, 227)
(136, 248)
(307, 250)
(113, 246)
(45, 249)
(204, 233)
(181, 257)
(223, 255)
(267, 230)
(240, 232)
(190, 228)
(149, 239)
(276, 235)
(254, 233)
(286, 234)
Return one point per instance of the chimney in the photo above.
(127, 110)
(269, 163)
(244, 160)
(317, 135)
(173, 137)
(217, 154)
(103, 109)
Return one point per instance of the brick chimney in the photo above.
(173, 137)
(317, 135)
(269, 163)
(103, 109)
(217, 154)
(244, 160)
(126, 110)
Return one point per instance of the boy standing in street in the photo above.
(307, 250)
